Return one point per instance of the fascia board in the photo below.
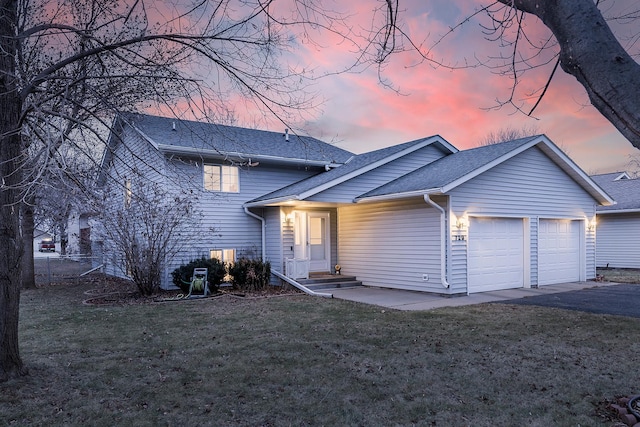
(623, 175)
(224, 155)
(371, 166)
(617, 211)
(395, 196)
(445, 144)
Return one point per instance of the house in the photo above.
(619, 223)
(421, 215)
(79, 234)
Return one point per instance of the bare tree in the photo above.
(580, 42)
(508, 134)
(148, 227)
(588, 50)
(69, 67)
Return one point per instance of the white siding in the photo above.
(133, 158)
(347, 191)
(534, 224)
(617, 244)
(223, 222)
(529, 186)
(391, 244)
(590, 242)
(273, 235)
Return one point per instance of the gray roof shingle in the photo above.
(448, 169)
(359, 162)
(626, 192)
(232, 140)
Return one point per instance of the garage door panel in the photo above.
(496, 254)
(559, 251)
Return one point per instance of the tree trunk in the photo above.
(64, 237)
(591, 53)
(10, 150)
(28, 226)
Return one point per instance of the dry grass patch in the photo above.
(620, 275)
(299, 360)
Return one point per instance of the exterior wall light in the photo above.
(461, 223)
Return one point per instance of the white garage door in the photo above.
(558, 251)
(496, 254)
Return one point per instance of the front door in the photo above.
(312, 239)
(318, 241)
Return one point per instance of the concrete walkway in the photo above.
(413, 300)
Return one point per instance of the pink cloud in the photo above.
(361, 114)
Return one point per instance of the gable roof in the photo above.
(356, 166)
(625, 191)
(209, 140)
(447, 173)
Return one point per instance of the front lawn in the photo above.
(300, 360)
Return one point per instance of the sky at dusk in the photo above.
(360, 114)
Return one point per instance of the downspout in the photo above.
(263, 228)
(443, 241)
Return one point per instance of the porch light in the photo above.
(591, 225)
(461, 223)
(289, 217)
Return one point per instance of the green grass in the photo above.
(300, 360)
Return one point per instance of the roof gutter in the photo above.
(263, 228)
(617, 211)
(395, 196)
(443, 241)
(224, 155)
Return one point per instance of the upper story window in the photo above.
(221, 178)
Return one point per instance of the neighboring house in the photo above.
(620, 223)
(420, 215)
(79, 234)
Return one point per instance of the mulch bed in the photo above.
(109, 290)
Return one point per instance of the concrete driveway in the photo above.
(610, 298)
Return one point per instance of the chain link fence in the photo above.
(55, 267)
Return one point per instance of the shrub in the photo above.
(250, 274)
(215, 273)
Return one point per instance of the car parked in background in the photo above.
(47, 245)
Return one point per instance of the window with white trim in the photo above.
(221, 178)
(224, 255)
